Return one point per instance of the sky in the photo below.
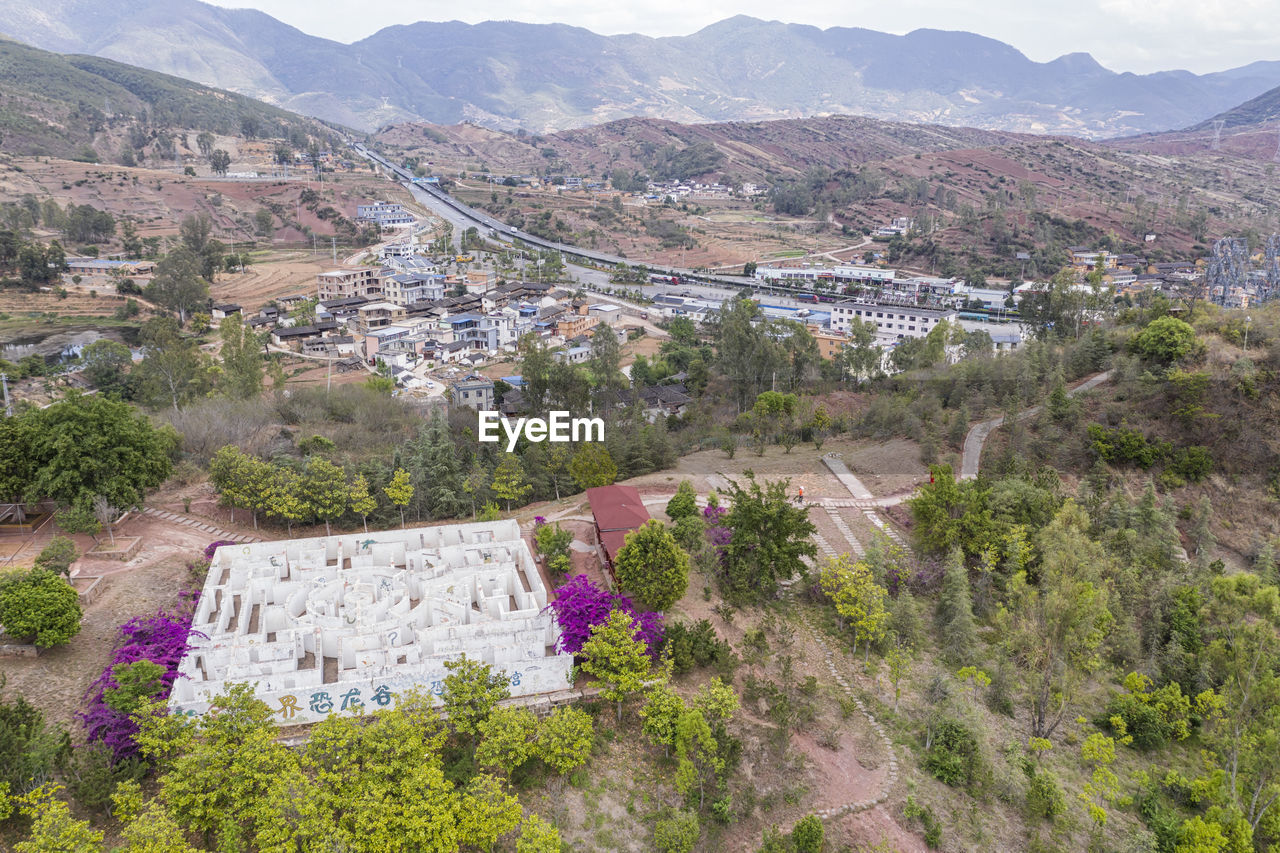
(1124, 35)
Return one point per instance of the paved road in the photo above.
(977, 436)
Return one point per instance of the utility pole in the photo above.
(335, 249)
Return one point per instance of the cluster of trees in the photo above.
(1070, 589)
(393, 778)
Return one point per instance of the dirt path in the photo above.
(977, 437)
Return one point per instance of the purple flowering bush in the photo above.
(580, 604)
(214, 546)
(161, 639)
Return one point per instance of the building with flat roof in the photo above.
(892, 321)
(349, 282)
(346, 624)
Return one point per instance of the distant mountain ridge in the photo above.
(547, 77)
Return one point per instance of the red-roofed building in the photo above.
(618, 510)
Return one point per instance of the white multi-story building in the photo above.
(892, 321)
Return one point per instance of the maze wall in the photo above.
(344, 623)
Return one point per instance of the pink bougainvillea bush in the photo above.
(161, 639)
(580, 604)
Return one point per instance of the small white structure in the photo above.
(342, 624)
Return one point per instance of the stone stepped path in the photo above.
(887, 529)
(825, 551)
(215, 533)
(891, 778)
(855, 547)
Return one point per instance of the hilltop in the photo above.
(507, 74)
(89, 108)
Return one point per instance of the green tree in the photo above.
(955, 610)
(565, 739)
(325, 490)
(53, 828)
(204, 141)
(487, 812)
(362, 503)
(538, 836)
(285, 498)
(770, 539)
(508, 480)
(57, 556)
(399, 491)
(857, 597)
(507, 739)
(1243, 725)
(660, 713)
(677, 833)
(219, 161)
(652, 566)
(684, 502)
(1165, 340)
(30, 748)
(807, 834)
(39, 606)
(1055, 629)
(950, 513)
(616, 658)
(106, 365)
(178, 283)
(241, 358)
(592, 466)
(471, 691)
(84, 446)
(172, 369)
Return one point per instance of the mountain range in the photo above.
(553, 77)
(87, 107)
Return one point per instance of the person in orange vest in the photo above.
(800, 497)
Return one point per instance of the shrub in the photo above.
(1044, 797)
(677, 833)
(684, 503)
(57, 556)
(1151, 717)
(143, 667)
(806, 835)
(954, 756)
(694, 645)
(1165, 340)
(41, 606)
(690, 532)
(1192, 464)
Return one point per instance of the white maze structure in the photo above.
(342, 624)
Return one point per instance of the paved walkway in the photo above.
(844, 475)
(977, 437)
(214, 532)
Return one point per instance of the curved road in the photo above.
(977, 436)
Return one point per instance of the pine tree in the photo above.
(955, 610)
(442, 480)
(508, 480)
